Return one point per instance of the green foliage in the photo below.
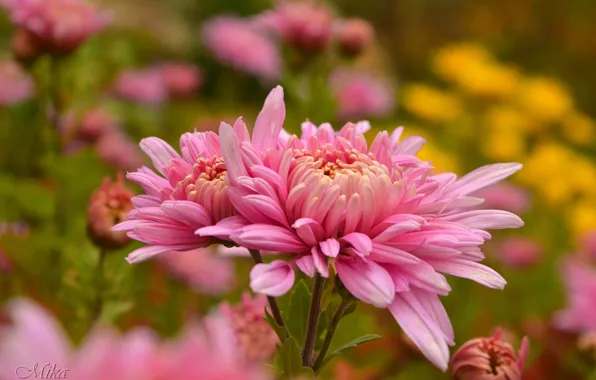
(353, 343)
(297, 314)
(289, 360)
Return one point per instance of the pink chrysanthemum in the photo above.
(141, 86)
(241, 45)
(192, 191)
(377, 214)
(59, 25)
(16, 86)
(580, 285)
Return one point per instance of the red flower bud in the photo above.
(354, 36)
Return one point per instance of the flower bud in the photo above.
(25, 46)
(306, 25)
(181, 80)
(354, 36)
(94, 124)
(108, 206)
(489, 359)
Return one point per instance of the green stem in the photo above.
(97, 308)
(313, 320)
(275, 311)
(339, 313)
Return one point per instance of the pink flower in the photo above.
(377, 214)
(273, 279)
(241, 45)
(506, 196)
(520, 252)
(208, 351)
(354, 35)
(191, 194)
(489, 359)
(307, 25)
(181, 80)
(360, 95)
(580, 286)
(60, 25)
(95, 123)
(203, 270)
(253, 333)
(16, 85)
(141, 86)
(116, 149)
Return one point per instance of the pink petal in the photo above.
(330, 247)
(224, 228)
(266, 237)
(309, 230)
(360, 242)
(483, 177)
(273, 279)
(160, 152)
(471, 270)
(319, 262)
(391, 255)
(486, 219)
(187, 212)
(241, 130)
(269, 121)
(230, 150)
(306, 265)
(435, 309)
(368, 282)
(148, 252)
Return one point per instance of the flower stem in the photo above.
(339, 313)
(313, 320)
(97, 308)
(275, 312)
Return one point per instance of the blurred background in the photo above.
(483, 81)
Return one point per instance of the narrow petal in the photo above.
(224, 228)
(241, 130)
(273, 279)
(360, 242)
(483, 177)
(269, 238)
(187, 212)
(306, 265)
(330, 247)
(320, 262)
(160, 152)
(435, 309)
(230, 150)
(269, 121)
(148, 252)
(486, 219)
(368, 282)
(470, 270)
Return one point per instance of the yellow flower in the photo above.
(582, 218)
(431, 104)
(503, 144)
(507, 117)
(544, 99)
(451, 60)
(578, 128)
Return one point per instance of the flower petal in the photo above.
(471, 270)
(368, 282)
(269, 121)
(160, 152)
(273, 279)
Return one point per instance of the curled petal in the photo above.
(368, 281)
(273, 279)
(160, 152)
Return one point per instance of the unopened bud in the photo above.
(307, 25)
(25, 46)
(94, 124)
(354, 36)
(489, 359)
(108, 206)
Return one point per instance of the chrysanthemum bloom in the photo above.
(506, 196)
(360, 94)
(387, 225)
(257, 339)
(141, 86)
(520, 252)
(580, 285)
(181, 80)
(206, 350)
(307, 25)
(108, 206)
(489, 359)
(116, 149)
(192, 191)
(202, 269)
(59, 25)
(354, 35)
(16, 85)
(240, 44)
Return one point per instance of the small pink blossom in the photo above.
(95, 123)
(16, 86)
(360, 94)
(318, 198)
(141, 86)
(580, 285)
(354, 35)
(202, 269)
(116, 149)
(59, 25)
(257, 339)
(489, 359)
(520, 252)
(181, 80)
(241, 45)
(506, 196)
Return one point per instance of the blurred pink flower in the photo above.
(489, 359)
(60, 25)
(378, 214)
(257, 339)
(241, 45)
(588, 245)
(506, 196)
(191, 193)
(116, 149)
(520, 252)
(203, 270)
(307, 25)
(181, 80)
(354, 35)
(359, 94)
(206, 351)
(580, 285)
(16, 86)
(95, 123)
(141, 86)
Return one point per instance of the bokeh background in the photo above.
(483, 81)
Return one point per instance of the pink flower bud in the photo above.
(116, 149)
(15, 85)
(25, 46)
(180, 80)
(94, 124)
(520, 252)
(108, 206)
(489, 359)
(354, 36)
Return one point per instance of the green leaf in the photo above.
(277, 328)
(290, 360)
(353, 343)
(324, 321)
(297, 317)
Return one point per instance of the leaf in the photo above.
(277, 328)
(352, 308)
(297, 316)
(353, 343)
(324, 321)
(290, 360)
